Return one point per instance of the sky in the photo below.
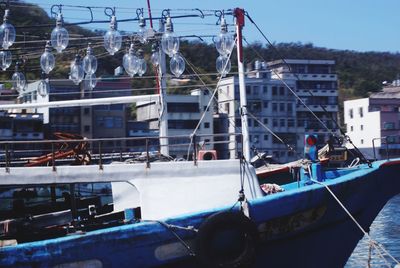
(360, 25)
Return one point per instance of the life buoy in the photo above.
(227, 239)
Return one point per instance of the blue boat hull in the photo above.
(302, 227)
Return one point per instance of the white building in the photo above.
(377, 119)
(183, 115)
(316, 84)
(272, 104)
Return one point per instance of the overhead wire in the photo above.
(323, 108)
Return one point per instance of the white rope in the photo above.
(374, 243)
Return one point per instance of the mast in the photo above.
(239, 14)
(164, 149)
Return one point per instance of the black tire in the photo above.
(227, 240)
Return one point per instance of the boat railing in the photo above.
(387, 147)
(89, 151)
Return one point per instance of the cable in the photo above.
(323, 108)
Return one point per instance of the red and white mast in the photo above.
(239, 15)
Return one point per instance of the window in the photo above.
(282, 91)
(274, 107)
(274, 122)
(238, 122)
(391, 139)
(351, 128)
(227, 107)
(256, 90)
(281, 107)
(207, 125)
(289, 107)
(256, 138)
(265, 121)
(182, 124)
(362, 127)
(255, 106)
(361, 112)
(181, 107)
(388, 125)
(86, 128)
(86, 111)
(282, 122)
(290, 122)
(249, 122)
(266, 137)
(362, 141)
(108, 122)
(248, 90)
(256, 124)
(351, 113)
(265, 89)
(265, 104)
(274, 90)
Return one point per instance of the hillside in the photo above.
(359, 72)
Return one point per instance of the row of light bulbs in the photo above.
(133, 61)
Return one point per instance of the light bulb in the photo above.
(43, 87)
(18, 80)
(223, 65)
(89, 62)
(130, 62)
(7, 32)
(5, 59)
(224, 41)
(142, 33)
(177, 65)
(59, 35)
(155, 57)
(141, 63)
(47, 61)
(76, 72)
(112, 38)
(90, 81)
(169, 42)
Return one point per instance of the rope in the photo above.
(171, 228)
(374, 243)
(311, 94)
(290, 148)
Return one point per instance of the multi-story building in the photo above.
(102, 121)
(269, 103)
(183, 115)
(316, 85)
(375, 121)
(139, 131)
(21, 127)
(66, 119)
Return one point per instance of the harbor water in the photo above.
(385, 230)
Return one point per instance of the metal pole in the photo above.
(7, 159)
(164, 149)
(53, 157)
(373, 148)
(194, 150)
(100, 157)
(147, 154)
(73, 201)
(387, 149)
(239, 14)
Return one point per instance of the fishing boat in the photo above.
(200, 213)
